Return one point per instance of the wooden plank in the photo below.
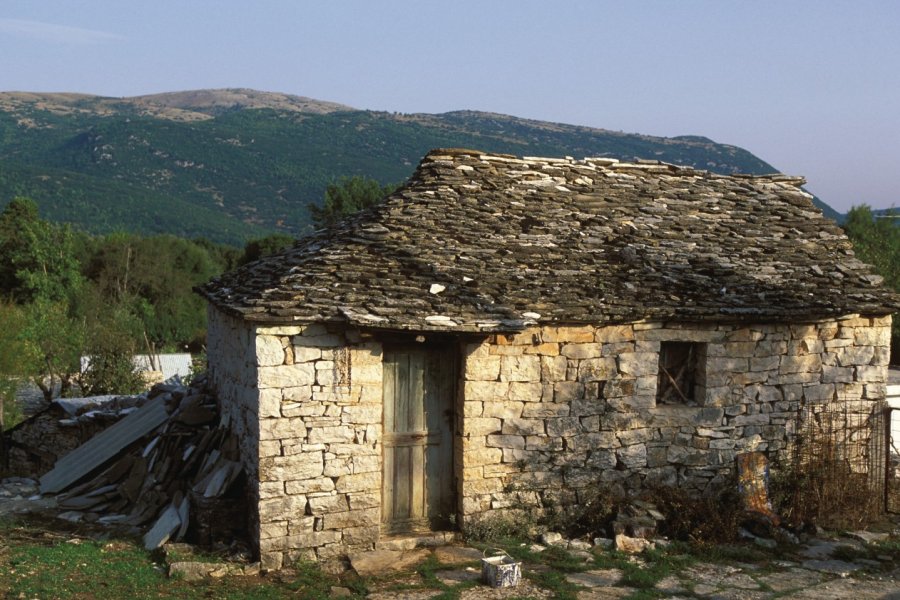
(417, 481)
(387, 489)
(401, 482)
(95, 452)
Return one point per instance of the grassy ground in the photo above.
(59, 563)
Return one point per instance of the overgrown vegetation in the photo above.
(876, 240)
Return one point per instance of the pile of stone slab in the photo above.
(163, 466)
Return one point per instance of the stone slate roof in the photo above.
(486, 242)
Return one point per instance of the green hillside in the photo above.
(230, 165)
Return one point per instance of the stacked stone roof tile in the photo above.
(486, 242)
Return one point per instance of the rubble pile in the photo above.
(183, 479)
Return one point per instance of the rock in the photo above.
(765, 542)
(596, 578)
(579, 545)
(537, 548)
(551, 538)
(632, 545)
(375, 562)
(835, 567)
(868, 537)
(340, 592)
(603, 542)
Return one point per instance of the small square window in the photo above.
(678, 372)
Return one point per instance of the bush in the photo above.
(710, 518)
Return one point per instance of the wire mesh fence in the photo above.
(838, 463)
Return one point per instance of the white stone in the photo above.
(286, 376)
(269, 351)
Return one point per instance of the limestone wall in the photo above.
(232, 371)
(320, 415)
(551, 415)
(545, 418)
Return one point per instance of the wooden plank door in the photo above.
(418, 482)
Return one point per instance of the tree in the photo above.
(51, 341)
(39, 258)
(876, 240)
(264, 246)
(346, 196)
(11, 367)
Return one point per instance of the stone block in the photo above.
(269, 403)
(563, 426)
(359, 414)
(520, 368)
(360, 500)
(313, 539)
(638, 363)
(327, 435)
(614, 333)
(482, 368)
(274, 529)
(567, 391)
(358, 482)
(632, 457)
(543, 349)
(570, 335)
(285, 468)
(503, 410)
(281, 429)
(525, 391)
(506, 441)
(269, 351)
(279, 330)
(523, 427)
(320, 505)
(485, 391)
(636, 436)
(601, 369)
(309, 486)
(810, 363)
(871, 374)
(819, 393)
(581, 351)
(286, 376)
(271, 489)
(541, 410)
(856, 355)
(837, 374)
(281, 509)
(482, 456)
(553, 368)
(481, 426)
(304, 354)
(367, 374)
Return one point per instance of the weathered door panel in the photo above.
(418, 442)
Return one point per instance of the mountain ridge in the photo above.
(249, 162)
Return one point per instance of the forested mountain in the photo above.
(229, 165)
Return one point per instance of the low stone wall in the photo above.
(551, 416)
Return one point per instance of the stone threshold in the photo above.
(417, 540)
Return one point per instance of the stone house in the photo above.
(507, 333)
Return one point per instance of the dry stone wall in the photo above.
(551, 415)
(545, 418)
(316, 407)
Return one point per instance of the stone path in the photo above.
(813, 574)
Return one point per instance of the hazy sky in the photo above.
(811, 87)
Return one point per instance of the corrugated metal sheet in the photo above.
(104, 446)
(169, 364)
